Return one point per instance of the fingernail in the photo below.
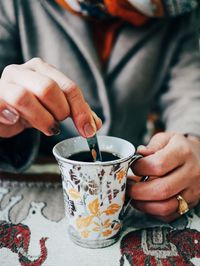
(95, 116)
(55, 130)
(89, 130)
(141, 147)
(10, 116)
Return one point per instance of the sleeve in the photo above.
(180, 101)
(178, 7)
(10, 52)
(16, 153)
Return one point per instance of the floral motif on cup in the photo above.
(94, 200)
(93, 220)
(120, 175)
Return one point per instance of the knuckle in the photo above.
(22, 98)
(165, 191)
(36, 61)
(48, 89)
(82, 117)
(159, 167)
(186, 150)
(73, 92)
(64, 116)
(9, 70)
(159, 134)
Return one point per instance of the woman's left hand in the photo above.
(173, 163)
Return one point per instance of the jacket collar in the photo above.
(78, 30)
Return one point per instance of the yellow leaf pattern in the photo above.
(113, 208)
(117, 226)
(107, 223)
(97, 218)
(74, 193)
(107, 232)
(96, 229)
(120, 175)
(83, 222)
(94, 207)
(85, 234)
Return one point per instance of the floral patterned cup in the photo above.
(94, 192)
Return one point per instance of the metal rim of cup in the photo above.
(66, 160)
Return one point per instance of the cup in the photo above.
(94, 192)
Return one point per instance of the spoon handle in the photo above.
(94, 148)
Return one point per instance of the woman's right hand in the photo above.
(36, 94)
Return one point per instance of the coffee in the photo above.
(85, 156)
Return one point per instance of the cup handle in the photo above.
(143, 179)
(134, 159)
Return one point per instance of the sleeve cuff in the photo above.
(19, 152)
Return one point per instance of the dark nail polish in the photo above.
(55, 130)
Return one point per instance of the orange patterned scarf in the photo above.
(136, 12)
(105, 31)
(105, 9)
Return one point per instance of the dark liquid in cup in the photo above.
(85, 156)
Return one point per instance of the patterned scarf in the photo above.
(136, 12)
(125, 9)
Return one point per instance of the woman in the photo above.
(123, 60)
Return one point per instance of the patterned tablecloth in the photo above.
(33, 230)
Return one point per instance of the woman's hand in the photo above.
(173, 163)
(36, 94)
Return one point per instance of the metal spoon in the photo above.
(94, 148)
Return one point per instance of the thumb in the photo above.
(8, 115)
(157, 142)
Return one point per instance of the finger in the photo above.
(165, 208)
(174, 215)
(160, 188)
(169, 157)
(97, 120)
(43, 87)
(133, 178)
(8, 115)
(145, 150)
(137, 179)
(29, 108)
(157, 142)
(160, 208)
(80, 113)
(8, 131)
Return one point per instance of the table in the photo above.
(33, 229)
